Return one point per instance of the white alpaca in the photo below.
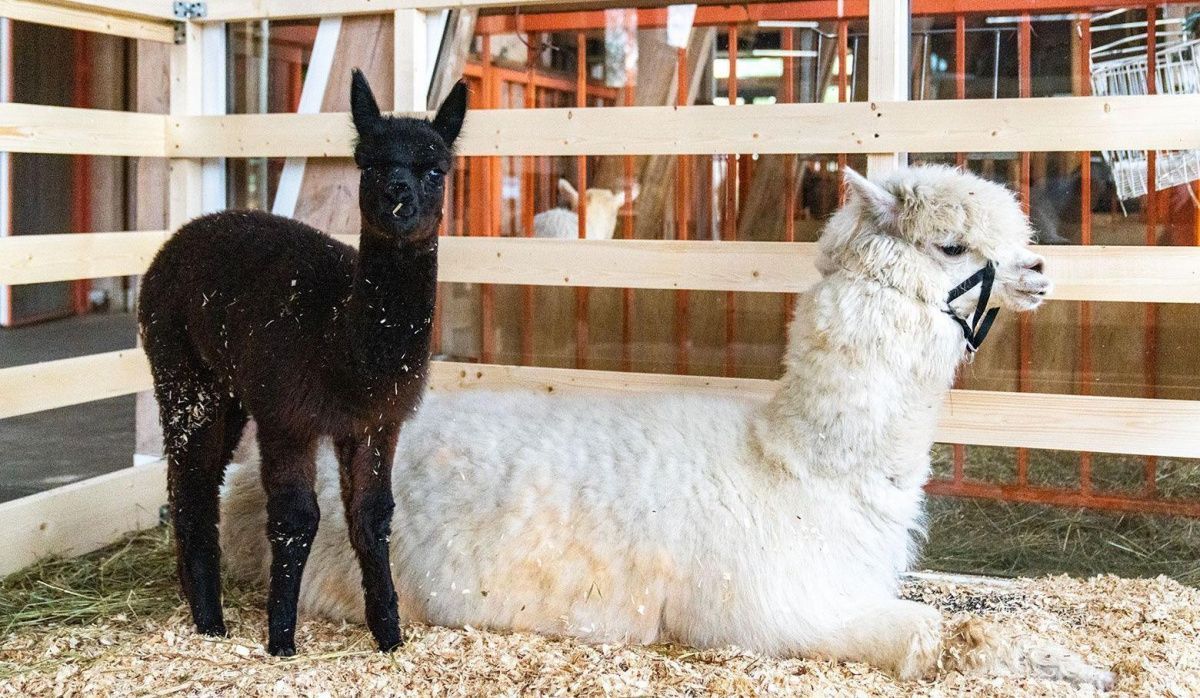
(780, 527)
(603, 206)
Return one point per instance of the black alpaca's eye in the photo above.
(434, 176)
(952, 250)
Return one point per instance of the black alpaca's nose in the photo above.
(402, 197)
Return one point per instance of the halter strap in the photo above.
(976, 330)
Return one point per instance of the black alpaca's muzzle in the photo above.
(975, 328)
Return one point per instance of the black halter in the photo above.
(975, 330)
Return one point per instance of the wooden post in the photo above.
(212, 101)
(187, 98)
(195, 186)
(411, 70)
(887, 68)
(6, 85)
(150, 213)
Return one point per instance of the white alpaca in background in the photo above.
(603, 207)
(780, 527)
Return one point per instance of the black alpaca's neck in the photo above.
(391, 308)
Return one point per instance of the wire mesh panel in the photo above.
(1121, 67)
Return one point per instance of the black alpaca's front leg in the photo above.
(288, 470)
(366, 469)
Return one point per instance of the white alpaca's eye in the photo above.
(952, 250)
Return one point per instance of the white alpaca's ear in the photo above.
(880, 202)
(568, 192)
(634, 191)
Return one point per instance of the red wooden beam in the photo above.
(530, 19)
(581, 294)
(1063, 498)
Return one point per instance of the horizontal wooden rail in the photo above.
(89, 19)
(242, 10)
(28, 259)
(695, 265)
(1051, 124)
(1063, 422)
(32, 128)
(81, 517)
(53, 384)
(145, 9)
(1099, 273)
(975, 125)
(976, 417)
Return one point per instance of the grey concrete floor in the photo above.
(44, 450)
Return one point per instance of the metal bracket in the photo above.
(190, 10)
(183, 12)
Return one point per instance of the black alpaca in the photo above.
(247, 314)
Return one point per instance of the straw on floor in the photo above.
(112, 624)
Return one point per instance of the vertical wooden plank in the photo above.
(528, 185)
(491, 205)
(410, 69)
(1024, 331)
(960, 70)
(682, 321)
(6, 92)
(960, 92)
(627, 234)
(581, 294)
(791, 162)
(187, 98)
(887, 67)
(730, 218)
(213, 80)
(1150, 367)
(153, 79)
(843, 52)
(1086, 373)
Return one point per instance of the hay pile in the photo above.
(111, 624)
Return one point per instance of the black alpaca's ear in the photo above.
(363, 107)
(449, 119)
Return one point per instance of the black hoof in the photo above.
(281, 649)
(389, 642)
(216, 629)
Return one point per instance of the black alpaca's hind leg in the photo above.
(288, 472)
(194, 421)
(235, 423)
(366, 467)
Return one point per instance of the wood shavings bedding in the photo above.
(1148, 631)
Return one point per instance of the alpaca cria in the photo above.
(603, 207)
(780, 527)
(248, 314)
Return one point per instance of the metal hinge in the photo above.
(185, 11)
